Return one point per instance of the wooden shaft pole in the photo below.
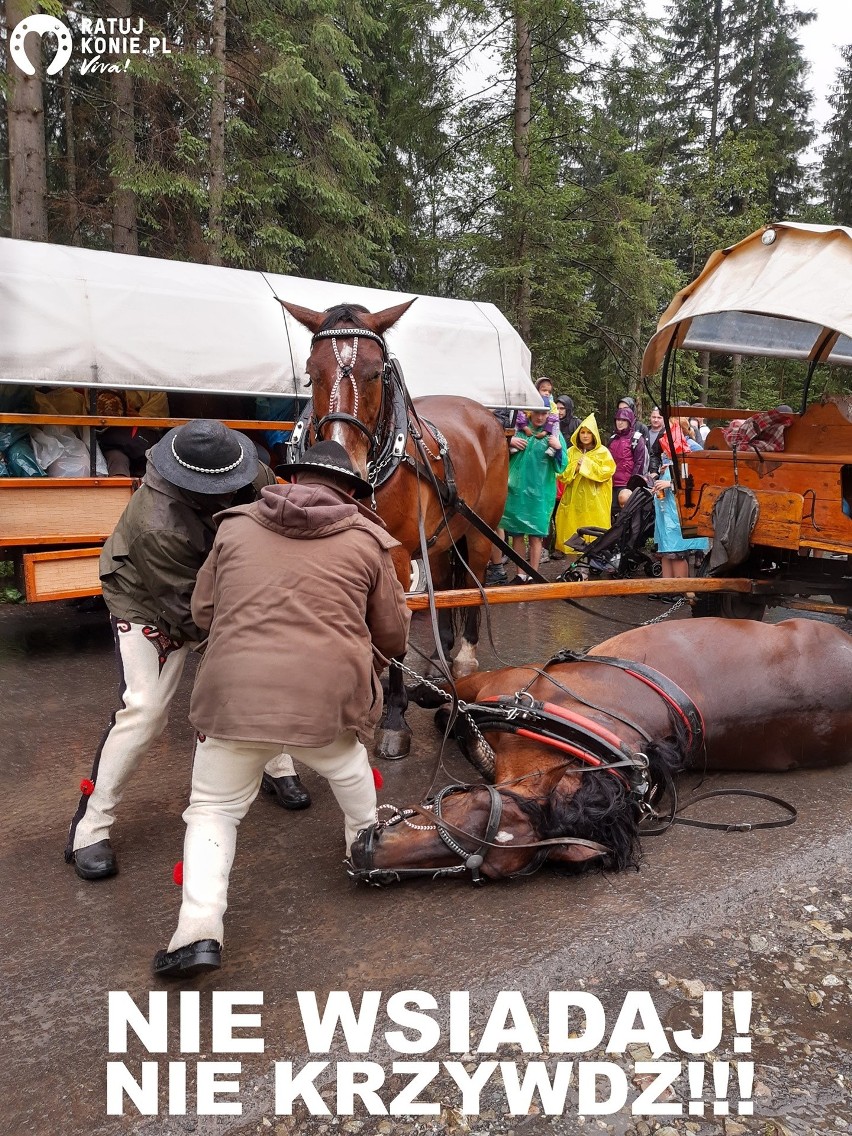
(580, 589)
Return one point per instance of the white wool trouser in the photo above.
(226, 777)
(150, 668)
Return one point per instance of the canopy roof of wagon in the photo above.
(784, 292)
(85, 318)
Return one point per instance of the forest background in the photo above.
(577, 176)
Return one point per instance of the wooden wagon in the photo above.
(784, 292)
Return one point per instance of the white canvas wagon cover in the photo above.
(86, 318)
(784, 292)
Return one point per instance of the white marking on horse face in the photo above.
(503, 836)
(345, 353)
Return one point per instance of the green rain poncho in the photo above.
(587, 497)
(532, 485)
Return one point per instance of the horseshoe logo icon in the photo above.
(41, 25)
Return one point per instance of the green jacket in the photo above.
(149, 565)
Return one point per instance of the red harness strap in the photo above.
(587, 724)
(671, 701)
(575, 751)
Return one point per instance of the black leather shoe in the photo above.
(289, 791)
(194, 958)
(96, 861)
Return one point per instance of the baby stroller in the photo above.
(620, 550)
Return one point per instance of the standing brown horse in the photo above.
(422, 457)
(580, 756)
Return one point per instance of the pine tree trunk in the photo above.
(125, 235)
(635, 381)
(756, 61)
(704, 360)
(523, 111)
(71, 161)
(217, 133)
(27, 152)
(717, 67)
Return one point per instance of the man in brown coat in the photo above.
(302, 602)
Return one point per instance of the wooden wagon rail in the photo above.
(96, 421)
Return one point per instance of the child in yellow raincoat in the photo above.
(587, 480)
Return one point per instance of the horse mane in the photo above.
(601, 809)
(343, 312)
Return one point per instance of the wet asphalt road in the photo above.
(296, 922)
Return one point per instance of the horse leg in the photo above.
(446, 634)
(393, 734)
(479, 553)
(442, 578)
(466, 662)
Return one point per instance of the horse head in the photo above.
(484, 831)
(348, 368)
(573, 796)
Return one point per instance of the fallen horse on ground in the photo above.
(578, 752)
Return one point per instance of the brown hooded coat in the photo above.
(298, 588)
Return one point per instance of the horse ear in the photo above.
(379, 322)
(313, 321)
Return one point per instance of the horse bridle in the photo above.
(346, 371)
(468, 861)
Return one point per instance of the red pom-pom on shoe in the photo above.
(378, 780)
(177, 873)
(87, 787)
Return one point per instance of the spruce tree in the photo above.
(769, 100)
(837, 152)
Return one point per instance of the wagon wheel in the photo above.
(728, 605)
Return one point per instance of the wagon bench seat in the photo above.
(800, 495)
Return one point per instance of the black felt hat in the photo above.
(329, 458)
(205, 456)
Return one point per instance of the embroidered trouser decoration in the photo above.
(226, 777)
(150, 665)
(149, 673)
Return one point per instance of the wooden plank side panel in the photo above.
(779, 522)
(818, 481)
(61, 575)
(45, 513)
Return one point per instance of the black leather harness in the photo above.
(592, 748)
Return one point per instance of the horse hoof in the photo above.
(464, 669)
(393, 744)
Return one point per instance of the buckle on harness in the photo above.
(399, 444)
(738, 827)
(295, 440)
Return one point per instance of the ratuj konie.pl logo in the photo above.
(106, 45)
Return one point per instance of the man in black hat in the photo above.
(272, 576)
(148, 570)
